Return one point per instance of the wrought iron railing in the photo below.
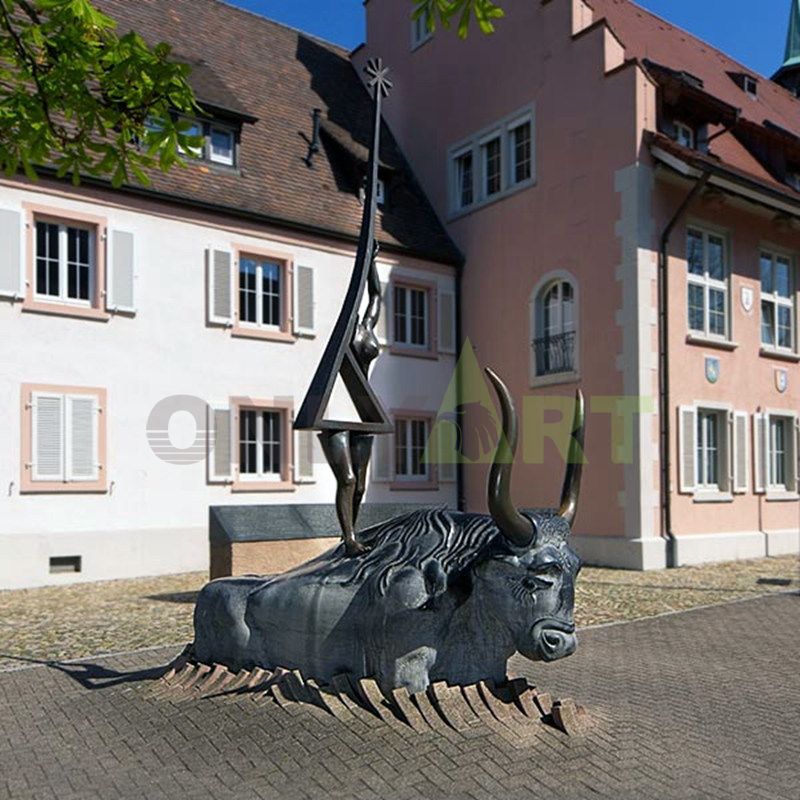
(555, 354)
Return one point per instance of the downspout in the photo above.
(663, 370)
(460, 498)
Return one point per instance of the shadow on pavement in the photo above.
(93, 676)
(174, 597)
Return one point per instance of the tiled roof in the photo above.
(279, 75)
(648, 37)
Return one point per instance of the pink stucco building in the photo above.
(627, 199)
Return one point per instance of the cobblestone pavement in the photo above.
(699, 705)
(69, 622)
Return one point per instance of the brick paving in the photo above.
(701, 704)
(68, 622)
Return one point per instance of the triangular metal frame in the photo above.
(339, 358)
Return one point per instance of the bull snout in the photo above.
(553, 639)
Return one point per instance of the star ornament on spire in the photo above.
(377, 76)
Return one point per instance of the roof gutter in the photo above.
(663, 369)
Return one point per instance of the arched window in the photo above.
(555, 330)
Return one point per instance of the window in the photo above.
(707, 284)
(709, 425)
(777, 303)
(793, 180)
(221, 146)
(261, 444)
(410, 440)
(463, 190)
(521, 154)
(380, 192)
(554, 344)
(63, 439)
(419, 31)
(218, 144)
(778, 452)
(684, 135)
(412, 317)
(750, 86)
(491, 158)
(65, 263)
(493, 163)
(261, 301)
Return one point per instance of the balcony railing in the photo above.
(555, 354)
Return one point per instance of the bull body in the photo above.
(439, 596)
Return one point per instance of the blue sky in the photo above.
(752, 32)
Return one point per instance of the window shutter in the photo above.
(741, 453)
(81, 440)
(220, 280)
(382, 328)
(726, 451)
(447, 321)
(220, 445)
(687, 445)
(121, 276)
(304, 307)
(794, 456)
(305, 452)
(47, 432)
(760, 439)
(12, 280)
(381, 458)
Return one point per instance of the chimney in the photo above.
(788, 75)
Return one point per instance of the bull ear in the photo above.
(572, 480)
(517, 528)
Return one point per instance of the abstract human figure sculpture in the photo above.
(348, 452)
(353, 346)
(440, 596)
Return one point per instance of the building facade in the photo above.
(157, 341)
(626, 200)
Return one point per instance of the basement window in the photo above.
(61, 565)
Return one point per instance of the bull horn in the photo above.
(572, 480)
(518, 529)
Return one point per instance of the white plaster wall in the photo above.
(153, 519)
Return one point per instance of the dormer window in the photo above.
(793, 179)
(419, 31)
(380, 192)
(684, 135)
(750, 86)
(219, 142)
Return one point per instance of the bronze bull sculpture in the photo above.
(438, 596)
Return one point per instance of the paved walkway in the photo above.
(702, 704)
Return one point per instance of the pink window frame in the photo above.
(29, 486)
(285, 333)
(402, 485)
(286, 407)
(99, 225)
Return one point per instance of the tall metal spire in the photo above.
(792, 55)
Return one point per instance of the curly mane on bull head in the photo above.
(440, 595)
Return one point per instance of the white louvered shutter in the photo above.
(121, 273)
(219, 442)
(687, 447)
(760, 454)
(382, 329)
(47, 437)
(741, 452)
(447, 321)
(82, 462)
(220, 281)
(304, 304)
(443, 443)
(12, 279)
(305, 456)
(726, 452)
(381, 467)
(794, 457)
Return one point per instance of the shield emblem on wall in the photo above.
(712, 369)
(748, 298)
(782, 380)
